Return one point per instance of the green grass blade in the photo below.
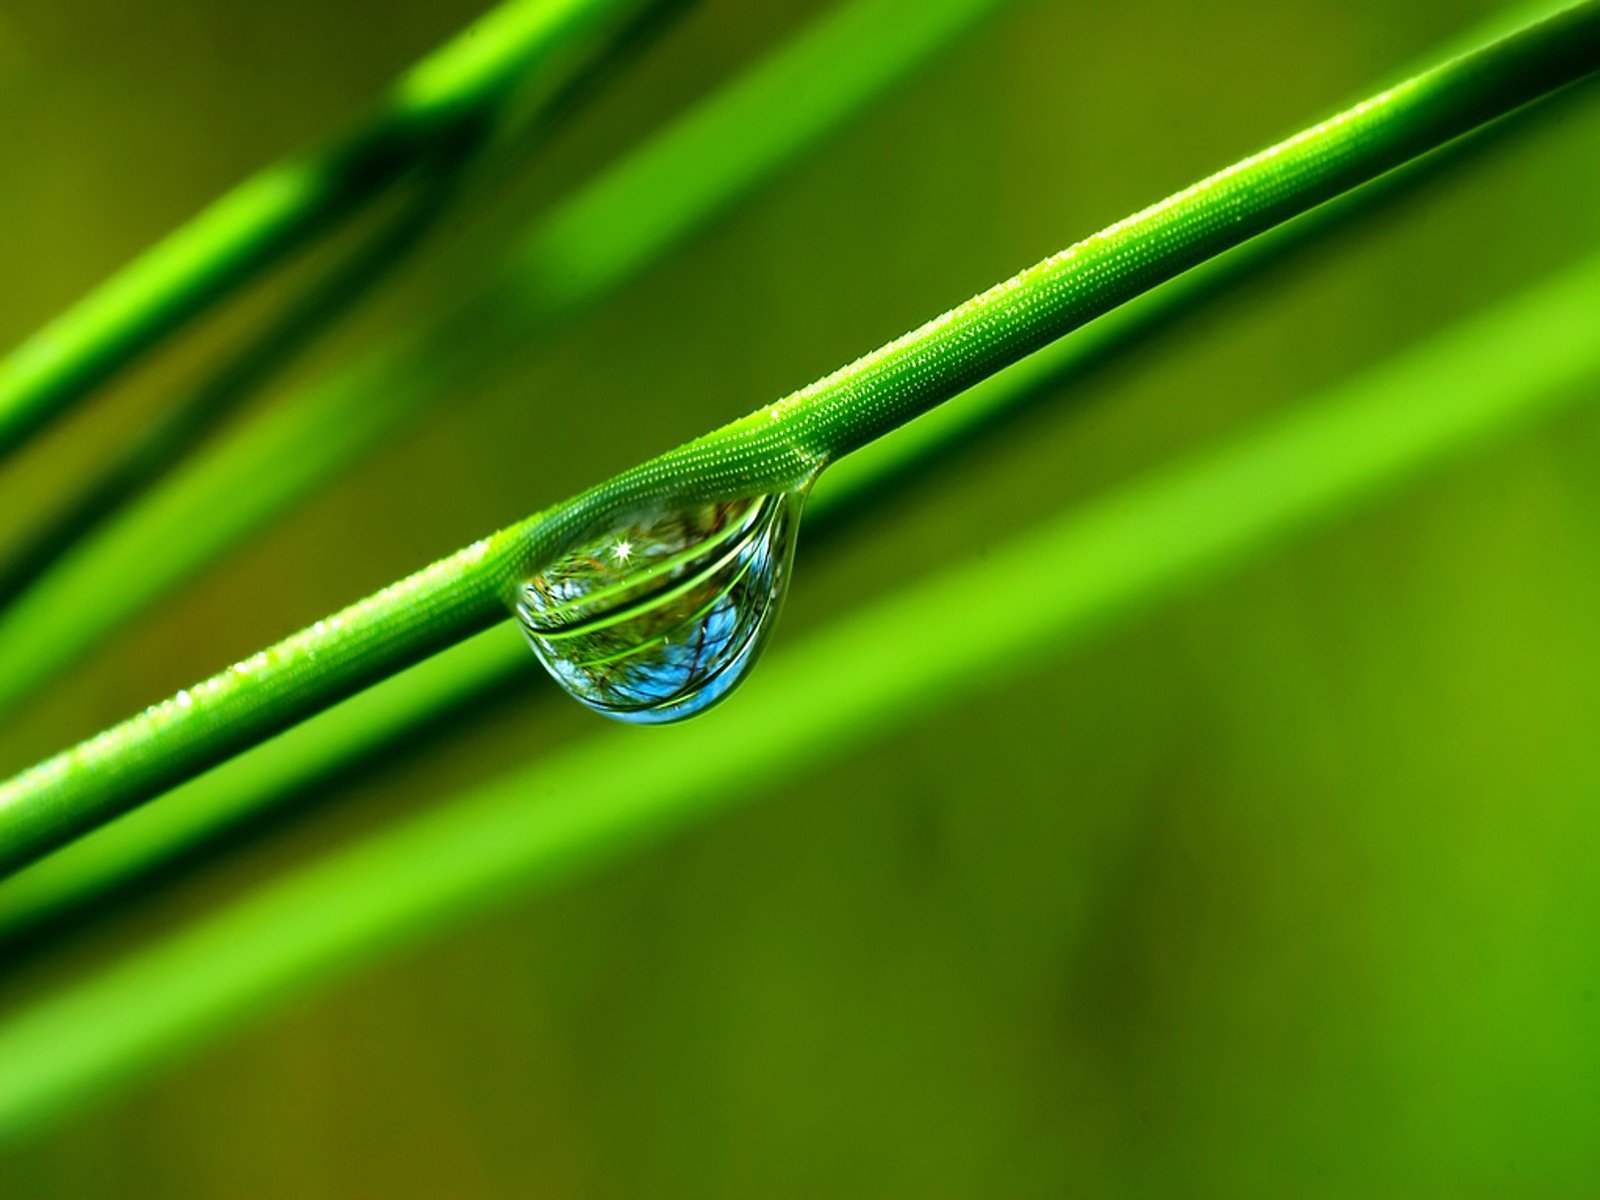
(778, 446)
(717, 153)
(271, 777)
(152, 452)
(454, 96)
(1526, 359)
(260, 782)
(632, 215)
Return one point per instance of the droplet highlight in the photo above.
(661, 617)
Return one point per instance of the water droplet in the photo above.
(658, 619)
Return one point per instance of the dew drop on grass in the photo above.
(662, 616)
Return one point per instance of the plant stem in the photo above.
(870, 672)
(444, 104)
(777, 446)
(268, 781)
(152, 451)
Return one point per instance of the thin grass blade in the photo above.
(137, 466)
(275, 777)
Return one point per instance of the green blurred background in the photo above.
(1286, 888)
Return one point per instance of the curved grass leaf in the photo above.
(790, 440)
(448, 102)
(870, 672)
(632, 215)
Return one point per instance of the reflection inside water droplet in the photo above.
(661, 617)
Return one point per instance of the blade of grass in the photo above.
(776, 447)
(447, 102)
(276, 776)
(249, 789)
(633, 214)
(137, 466)
(1526, 359)
(272, 777)
(720, 151)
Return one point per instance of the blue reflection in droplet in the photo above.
(661, 617)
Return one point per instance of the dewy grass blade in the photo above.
(775, 447)
(455, 95)
(269, 779)
(1526, 359)
(632, 215)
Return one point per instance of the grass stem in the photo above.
(106, 775)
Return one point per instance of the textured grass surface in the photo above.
(787, 441)
(866, 674)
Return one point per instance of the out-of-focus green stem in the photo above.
(868, 673)
(632, 215)
(786, 442)
(719, 151)
(135, 467)
(454, 96)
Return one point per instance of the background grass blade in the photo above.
(631, 216)
(777, 447)
(452, 98)
(718, 152)
(136, 467)
(1526, 359)
(272, 777)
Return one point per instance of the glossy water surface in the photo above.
(658, 619)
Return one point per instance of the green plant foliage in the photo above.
(273, 774)
(456, 97)
(136, 467)
(790, 440)
(634, 214)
